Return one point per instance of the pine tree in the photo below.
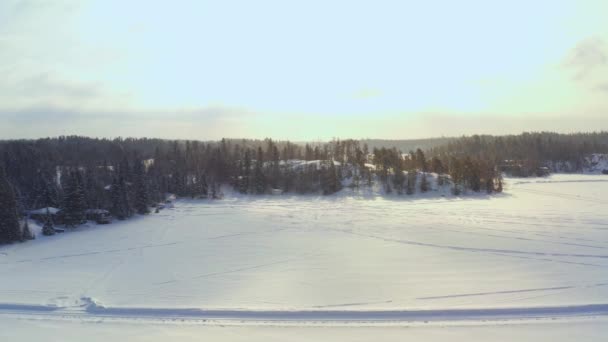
(275, 171)
(499, 184)
(47, 228)
(490, 185)
(440, 179)
(436, 165)
(387, 188)
(424, 184)
(26, 232)
(421, 160)
(74, 203)
(141, 188)
(214, 194)
(202, 189)
(399, 179)
(331, 182)
(260, 181)
(245, 173)
(121, 207)
(411, 182)
(9, 220)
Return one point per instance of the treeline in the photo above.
(129, 176)
(560, 152)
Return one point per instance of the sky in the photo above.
(301, 70)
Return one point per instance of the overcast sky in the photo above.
(301, 69)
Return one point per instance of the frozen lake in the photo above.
(541, 244)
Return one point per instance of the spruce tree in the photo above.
(440, 180)
(141, 188)
(259, 177)
(50, 196)
(499, 184)
(47, 228)
(121, 207)
(421, 160)
(9, 219)
(331, 182)
(424, 184)
(201, 188)
(214, 192)
(399, 179)
(26, 232)
(74, 203)
(411, 182)
(275, 171)
(245, 173)
(116, 209)
(436, 165)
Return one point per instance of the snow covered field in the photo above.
(528, 262)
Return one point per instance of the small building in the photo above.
(543, 171)
(523, 168)
(276, 191)
(40, 215)
(100, 216)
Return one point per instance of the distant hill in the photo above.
(407, 145)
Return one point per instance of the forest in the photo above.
(134, 175)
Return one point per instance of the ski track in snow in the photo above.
(89, 309)
(510, 291)
(476, 250)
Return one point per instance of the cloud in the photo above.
(455, 125)
(28, 6)
(45, 84)
(587, 57)
(602, 87)
(47, 90)
(212, 122)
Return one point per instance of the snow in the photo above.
(596, 163)
(298, 164)
(518, 265)
(116, 330)
(43, 211)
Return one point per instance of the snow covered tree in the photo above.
(331, 181)
(74, 203)
(26, 231)
(201, 187)
(387, 188)
(399, 179)
(411, 182)
(216, 191)
(92, 188)
(436, 165)
(472, 174)
(121, 207)
(141, 199)
(499, 184)
(421, 160)
(47, 228)
(489, 185)
(9, 220)
(440, 179)
(45, 192)
(245, 173)
(424, 184)
(258, 176)
(274, 160)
